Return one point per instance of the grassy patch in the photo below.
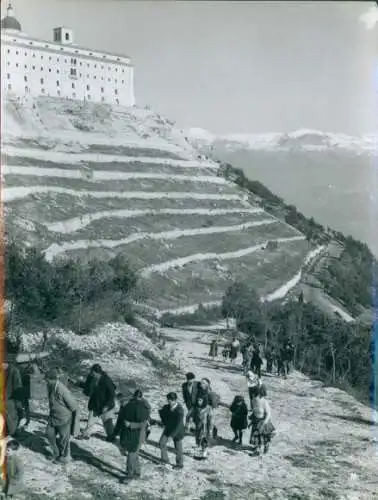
(130, 151)
(117, 227)
(120, 185)
(52, 207)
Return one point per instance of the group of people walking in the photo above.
(134, 419)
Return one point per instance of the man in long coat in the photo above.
(131, 425)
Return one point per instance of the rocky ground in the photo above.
(325, 447)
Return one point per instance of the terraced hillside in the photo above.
(86, 180)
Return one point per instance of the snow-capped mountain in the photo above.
(305, 139)
(330, 176)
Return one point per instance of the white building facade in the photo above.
(62, 69)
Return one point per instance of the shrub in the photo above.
(67, 293)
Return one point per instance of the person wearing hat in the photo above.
(62, 408)
(131, 426)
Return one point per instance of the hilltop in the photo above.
(87, 180)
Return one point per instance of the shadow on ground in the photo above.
(356, 419)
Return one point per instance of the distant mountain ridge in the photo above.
(306, 139)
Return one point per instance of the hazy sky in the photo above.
(233, 67)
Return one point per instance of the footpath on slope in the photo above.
(323, 448)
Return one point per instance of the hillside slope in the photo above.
(325, 447)
(85, 180)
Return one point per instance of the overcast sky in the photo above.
(233, 67)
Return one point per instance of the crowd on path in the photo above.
(134, 420)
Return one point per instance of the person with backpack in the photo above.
(102, 394)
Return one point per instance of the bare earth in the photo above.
(325, 447)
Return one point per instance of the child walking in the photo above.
(14, 487)
(239, 419)
(262, 429)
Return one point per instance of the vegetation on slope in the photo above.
(66, 293)
(329, 349)
(348, 277)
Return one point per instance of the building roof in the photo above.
(10, 23)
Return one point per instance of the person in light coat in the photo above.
(62, 409)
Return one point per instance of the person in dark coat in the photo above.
(239, 419)
(14, 397)
(189, 394)
(288, 356)
(131, 426)
(101, 391)
(269, 356)
(172, 418)
(213, 352)
(26, 373)
(256, 362)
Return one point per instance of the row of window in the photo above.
(62, 48)
(43, 91)
(73, 73)
(73, 61)
(73, 84)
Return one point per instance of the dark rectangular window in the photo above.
(102, 89)
(25, 78)
(57, 83)
(73, 85)
(88, 87)
(42, 80)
